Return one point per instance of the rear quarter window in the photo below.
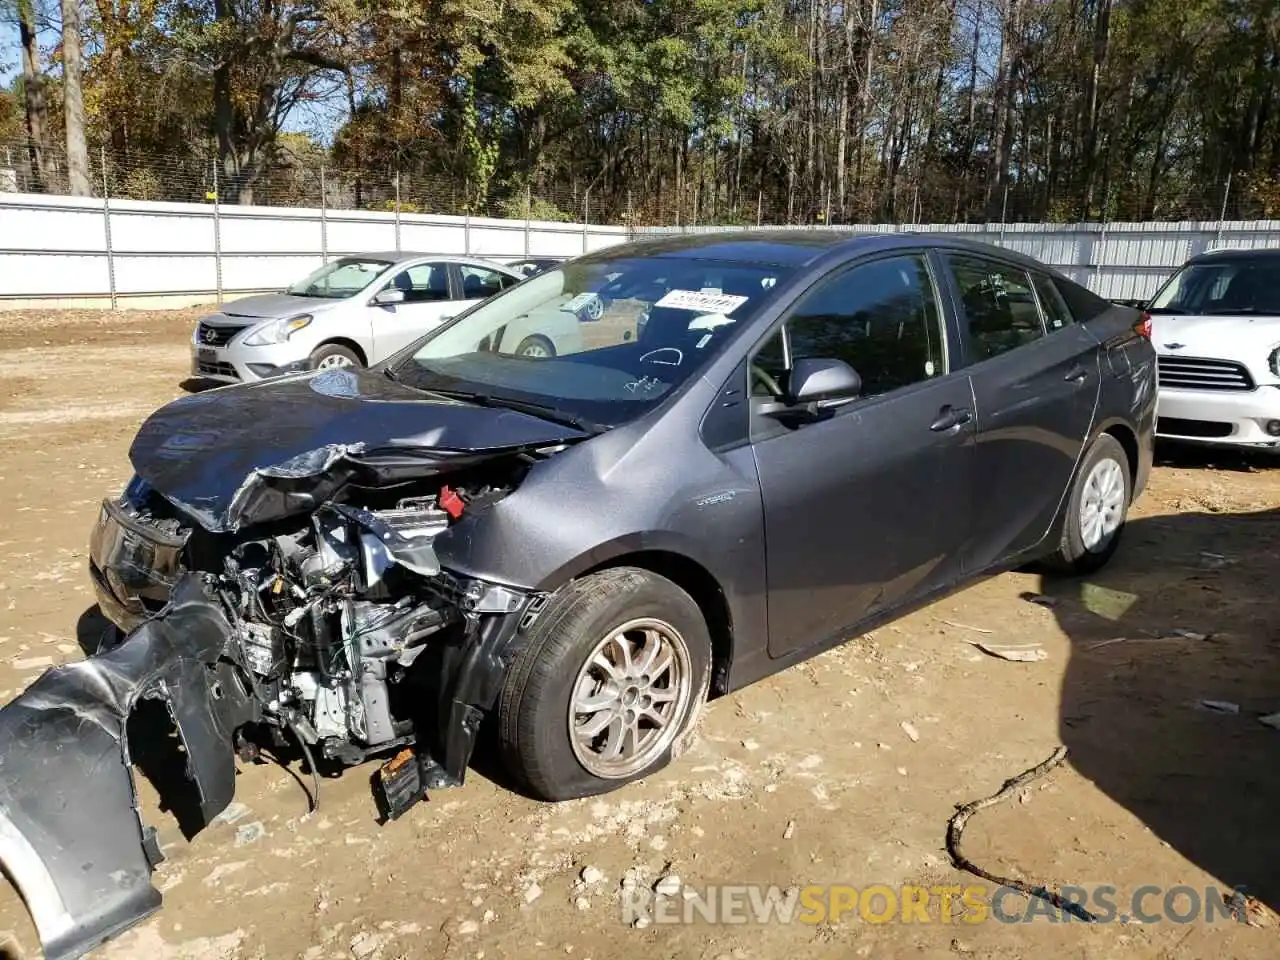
(1083, 304)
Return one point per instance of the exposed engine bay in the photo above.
(331, 621)
(331, 618)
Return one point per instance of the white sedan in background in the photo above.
(354, 311)
(1216, 329)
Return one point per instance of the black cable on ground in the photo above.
(956, 825)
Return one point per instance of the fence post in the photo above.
(759, 207)
(1004, 212)
(586, 216)
(396, 181)
(466, 218)
(106, 231)
(631, 217)
(324, 221)
(217, 231)
(528, 215)
(1226, 192)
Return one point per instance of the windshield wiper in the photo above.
(540, 410)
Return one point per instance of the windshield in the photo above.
(1222, 286)
(343, 278)
(602, 340)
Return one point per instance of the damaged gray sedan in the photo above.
(766, 443)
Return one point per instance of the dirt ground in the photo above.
(843, 770)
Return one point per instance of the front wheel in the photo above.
(1097, 509)
(537, 346)
(609, 683)
(333, 356)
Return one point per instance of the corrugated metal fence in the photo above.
(61, 251)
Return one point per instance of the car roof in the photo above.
(795, 247)
(1237, 253)
(404, 256)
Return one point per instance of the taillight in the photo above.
(1143, 326)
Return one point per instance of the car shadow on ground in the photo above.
(199, 384)
(1184, 613)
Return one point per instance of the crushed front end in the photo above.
(335, 630)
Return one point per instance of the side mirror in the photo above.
(815, 380)
(389, 295)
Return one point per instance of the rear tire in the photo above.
(607, 687)
(1096, 510)
(333, 356)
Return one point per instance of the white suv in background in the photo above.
(1216, 329)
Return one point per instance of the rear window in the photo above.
(1083, 304)
(1222, 286)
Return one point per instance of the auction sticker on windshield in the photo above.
(702, 302)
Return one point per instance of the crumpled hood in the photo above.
(207, 452)
(1249, 339)
(273, 305)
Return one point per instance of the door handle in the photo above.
(1076, 375)
(950, 417)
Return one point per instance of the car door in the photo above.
(427, 303)
(476, 283)
(865, 506)
(1035, 386)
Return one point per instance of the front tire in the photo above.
(610, 681)
(333, 356)
(536, 346)
(1096, 510)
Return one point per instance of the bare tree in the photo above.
(73, 102)
(37, 109)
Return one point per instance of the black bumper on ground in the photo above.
(70, 835)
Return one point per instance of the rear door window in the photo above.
(1056, 313)
(999, 309)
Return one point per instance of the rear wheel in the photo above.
(1097, 509)
(608, 685)
(333, 356)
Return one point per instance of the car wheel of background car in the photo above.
(331, 356)
(612, 677)
(535, 345)
(1096, 512)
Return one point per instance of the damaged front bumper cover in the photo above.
(71, 838)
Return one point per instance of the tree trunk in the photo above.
(73, 102)
(864, 104)
(43, 168)
(1101, 42)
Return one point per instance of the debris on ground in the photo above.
(790, 832)
(1271, 720)
(956, 825)
(1186, 634)
(1021, 652)
(532, 892)
(966, 626)
(668, 886)
(909, 729)
(1218, 706)
(1041, 600)
(250, 833)
(591, 875)
(1105, 602)
(1249, 909)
